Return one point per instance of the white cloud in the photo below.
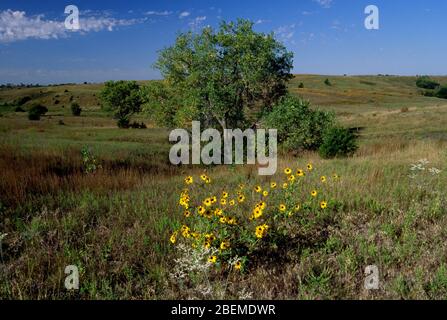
(184, 14)
(261, 21)
(16, 25)
(159, 13)
(324, 3)
(285, 32)
(197, 22)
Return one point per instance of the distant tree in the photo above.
(301, 85)
(441, 92)
(225, 78)
(123, 98)
(36, 111)
(21, 101)
(327, 82)
(76, 109)
(425, 82)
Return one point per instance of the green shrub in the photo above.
(76, 109)
(426, 83)
(123, 123)
(299, 127)
(21, 101)
(34, 115)
(36, 111)
(301, 85)
(338, 142)
(327, 82)
(136, 125)
(441, 92)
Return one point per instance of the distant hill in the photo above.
(345, 94)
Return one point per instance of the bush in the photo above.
(426, 83)
(123, 123)
(299, 127)
(34, 115)
(301, 85)
(76, 109)
(338, 142)
(327, 82)
(441, 92)
(136, 125)
(36, 112)
(19, 109)
(21, 101)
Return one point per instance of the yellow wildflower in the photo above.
(238, 265)
(212, 259)
(224, 245)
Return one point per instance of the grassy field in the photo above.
(115, 224)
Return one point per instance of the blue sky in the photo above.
(120, 39)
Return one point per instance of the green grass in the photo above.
(115, 225)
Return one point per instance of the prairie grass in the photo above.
(115, 223)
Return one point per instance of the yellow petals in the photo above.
(224, 245)
(212, 259)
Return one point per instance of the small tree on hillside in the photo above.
(76, 109)
(123, 98)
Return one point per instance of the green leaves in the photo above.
(123, 98)
(299, 127)
(223, 78)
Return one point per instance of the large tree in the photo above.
(226, 78)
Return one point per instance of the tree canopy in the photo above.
(123, 98)
(226, 78)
